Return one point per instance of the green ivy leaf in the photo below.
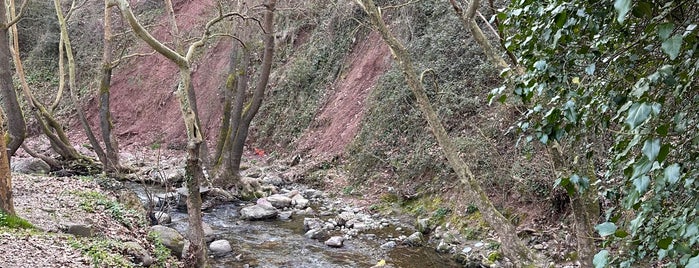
(665, 29)
(623, 7)
(590, 70)
(693, 262)
(664, 151)
(621, 233)
(540, 65)
(691, 231)
(665, 243)
(641, 183)
(601, 259)
(638, 113)
(651, 148)
(640, 88)
(662, 130)
(672, 46)
(672, 173)
(642, 9)
(605, 229)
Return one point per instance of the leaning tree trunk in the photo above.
(48, 124)
(512, 246)
(16, 126)
(111, 145)
(72, 87)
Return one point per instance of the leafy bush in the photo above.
(623, 75)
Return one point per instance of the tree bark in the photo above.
(72, 87)
(6, 204)
(196, 256)
(111, 144)
(16, 126)
(512, 246)
(58, 140)
(242, 114)
(469, 21)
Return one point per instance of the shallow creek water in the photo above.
(281, 243)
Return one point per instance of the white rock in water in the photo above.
(220, 247)
(335, 241)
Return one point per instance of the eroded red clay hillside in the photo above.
(144, 105)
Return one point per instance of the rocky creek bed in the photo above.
(288, 225)
(301, 227)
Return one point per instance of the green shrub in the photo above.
(13, 221)
(103, 252)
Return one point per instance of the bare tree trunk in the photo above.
(106, 126)
(6, 204)
(16, 126)
(229, 171)
(512, 246)
(72, 87)
(584, 205)
(196, 256)
(59, 140)
(469, 21)
(242, 115)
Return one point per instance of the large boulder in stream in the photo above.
(170, 238)
(258, 212)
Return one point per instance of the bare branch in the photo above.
(16, 18)
(142, 33)
(116, 63)
(207, 34)
(401, 5)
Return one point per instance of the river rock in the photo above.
(443, 247)
(279, 201)
(170, 238)
(273, 180)
(314, 233)
(220, 247)
(285, 216)
(312, 193)
(79, 229)
(300, 202)
(389, 245)
(343, 218)
(162, 217)
(258, 212)
(183, 191)
(360, 226)
(209, 234)
(423, 225)
(414, 239)
(335, 241)
(170, 199)
(312, 223)
(30, 166)
(138, 253)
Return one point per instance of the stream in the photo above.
(282, 243)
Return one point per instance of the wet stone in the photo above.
(389, 245)
(335, 241)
